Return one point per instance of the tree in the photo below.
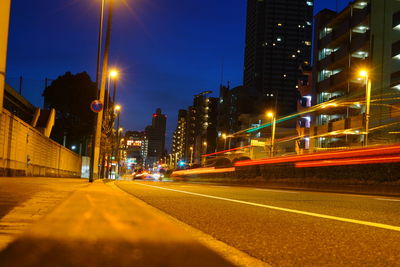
(70, 95)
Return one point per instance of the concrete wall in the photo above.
(26, 151)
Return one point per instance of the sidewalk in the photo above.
(99, 225)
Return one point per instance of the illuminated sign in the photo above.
(134, 143)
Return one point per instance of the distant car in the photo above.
(140, 174)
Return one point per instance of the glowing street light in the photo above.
(273, 117)
(113, 74)
(364, 74)
(117, 108)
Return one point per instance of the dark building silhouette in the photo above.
(232, 103)
(278, 41)
(201, 127)
(156, 137)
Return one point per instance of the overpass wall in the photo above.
(24, 151)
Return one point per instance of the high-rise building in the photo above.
(201, 127)
(364, 36)
(179, 139)
(156, 137)
(278, 41)
(135, 147)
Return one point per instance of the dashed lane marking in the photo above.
(312, 214)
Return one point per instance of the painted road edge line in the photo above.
(388, 199)
(372, 224)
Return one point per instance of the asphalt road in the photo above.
(285, 228)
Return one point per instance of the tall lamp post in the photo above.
(94, 170)
(273, 117)
(364, 73)
(191, 155)
(117, 110)
(224, 136)
(119, 131)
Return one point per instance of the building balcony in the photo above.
(334, 83)
(334, 59)
(355, 122)
(359, 40)
(322, 129)
(360, 15)
(337, 125)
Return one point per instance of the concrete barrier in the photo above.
(24, 151)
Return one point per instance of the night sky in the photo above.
(166, 50)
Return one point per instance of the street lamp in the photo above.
(224, 136)
(364, 74)
(273, 117)
(117, 110)
(94, 171)
(191, 155)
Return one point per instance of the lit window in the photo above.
(361, 29)
(280, 24)
(361, 5)
(308, 23)
(309, 3)
(360, 54)
(308, 43)
(324, 32)
(279, 39)
(293, 56)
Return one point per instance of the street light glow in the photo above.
(363, 73)
(117, 107)
(120, 129)
(270, 114)
(113, 74)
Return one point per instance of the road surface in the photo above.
(285, 228)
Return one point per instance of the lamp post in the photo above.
(191, 155)
(365, 75)
(94, 172)
(224, 136)
(113, 75)
(117, 110)
(119, 130)
(205, 152)
(273, 117)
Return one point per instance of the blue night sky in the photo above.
(166, 50)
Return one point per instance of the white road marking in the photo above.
(279, 191)
(312, 214)
(388, 199)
